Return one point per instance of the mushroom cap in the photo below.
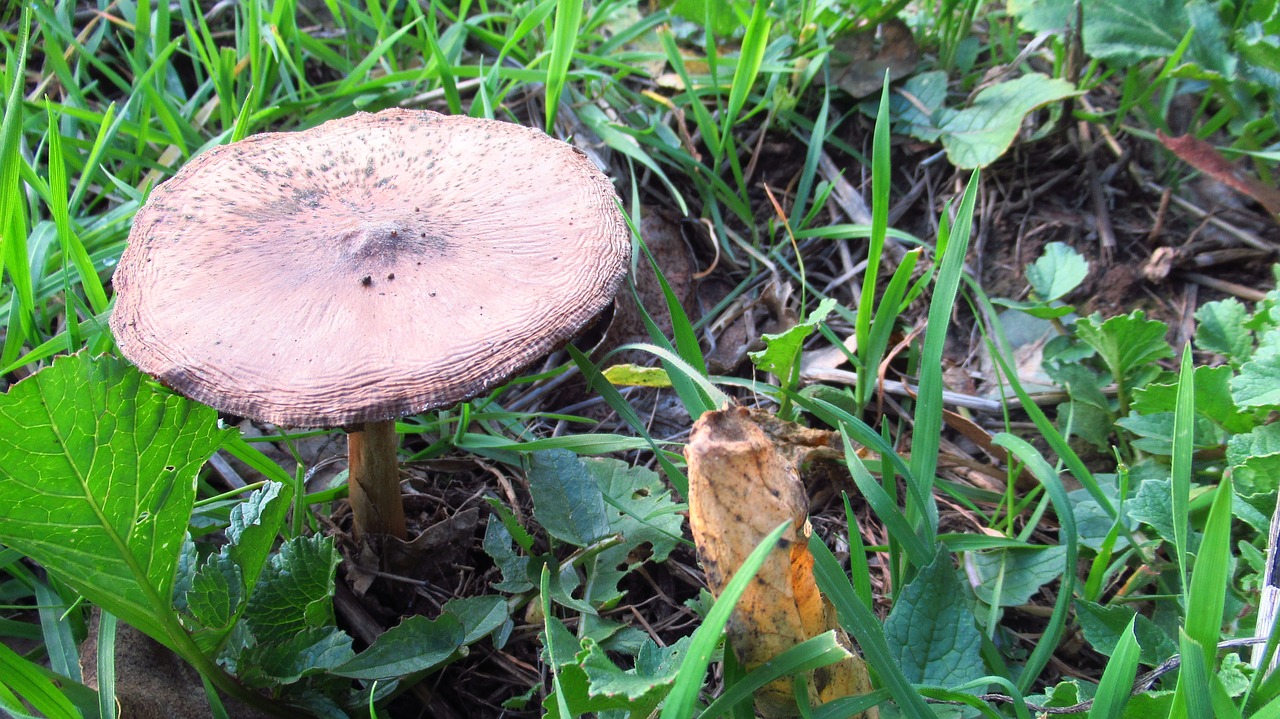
(368, 268)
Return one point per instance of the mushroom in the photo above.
(369, 268)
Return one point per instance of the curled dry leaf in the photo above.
(1205, 158)
(743, 482)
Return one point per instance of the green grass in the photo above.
(1162, 529)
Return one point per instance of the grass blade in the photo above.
(806, 656)
(564, 38)
(106, 665)
(1117, 679)
(928, 420)
(866, 630)
(25, 679)
(1183, 446)
(15, 229)
(684, 692)
(1052, 484)
(751, 55)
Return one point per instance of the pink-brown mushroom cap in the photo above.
(372, 267)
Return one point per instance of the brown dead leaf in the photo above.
(743, 482)
(859, 66)
(1205, 158)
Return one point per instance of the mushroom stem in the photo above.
(376, 506)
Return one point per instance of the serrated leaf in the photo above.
(566, 499)
(782, 350)
(216, 593)
(641, 510)
(645, 683)
(1258, 384)
(1102, 627)
(286, 659)
(1263, 441)
(1128, 344)
(294, 592)
(979, 134)
(253, 528)
(515, 568)
(1212, 399)
(1019, 572)
(97, 481)
(1059, 270)
(1220, 327)
(1255, 463)
(414, 645)
(930, 630)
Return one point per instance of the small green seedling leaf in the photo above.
(1128, 344)
(782, 350)
(1258, 384)
(1220, 327)
(1059, 270)
(631, 375)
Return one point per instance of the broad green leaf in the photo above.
(413, 645)
(478, 615)
(1019, 572)
(928, 90)
(97, 481)
(1153, 505)
(294, 591)
(566, 499)
(1130, 30)
(930, 630)
(1059, 270)
(979, 134)
(1220, 327)
(1103, 627)
(782, 350)
(1258, 384)
(1155, 432)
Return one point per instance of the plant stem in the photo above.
(374, 482)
